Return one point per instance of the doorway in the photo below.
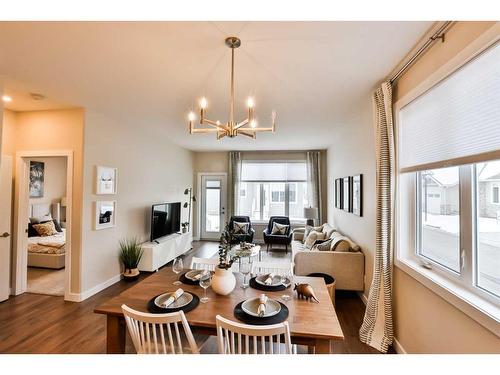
(213, 205)
(42, 247)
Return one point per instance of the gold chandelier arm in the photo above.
(213, 123)
(256, 129)
(221, 135)
(247, 134)
(204, 130)
(242, 123)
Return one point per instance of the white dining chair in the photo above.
(238, 338)
(158, 333)
(259, 268)
(208, 264)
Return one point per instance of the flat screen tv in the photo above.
(165, 219)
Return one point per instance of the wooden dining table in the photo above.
(313, 324)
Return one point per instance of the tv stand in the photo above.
(159, 252)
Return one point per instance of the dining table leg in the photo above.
(116, 331)
(322, 346)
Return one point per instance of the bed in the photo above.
(48, 251)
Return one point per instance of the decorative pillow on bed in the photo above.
(56, 224)
(41, 219)
(32, 231)
(240, 228)
(279, 229)
(45, 229)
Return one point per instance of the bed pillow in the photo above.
(240, 228)
(56, 224)
(45, 229)
(32, 231)
(40, 219)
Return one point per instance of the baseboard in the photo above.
(197, 238)
(398, 347)
(79, 297)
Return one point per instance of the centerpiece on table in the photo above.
(224, 281)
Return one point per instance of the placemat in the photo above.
(249, 319)
(187, 281)
(267, 288)
(152, 308)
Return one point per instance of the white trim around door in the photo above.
(201, 193)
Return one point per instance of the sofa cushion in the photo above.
(310, 228)
(324, 246)
(341, 244)
(312, 237)
(327, 230)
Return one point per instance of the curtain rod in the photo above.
(439, 34)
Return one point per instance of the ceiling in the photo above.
(316, 75)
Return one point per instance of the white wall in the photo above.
(352, 152)
(150, 170)
(54, 180)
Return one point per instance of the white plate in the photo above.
(191, 275)
(181, 301)
(251, 306)
(262, 278)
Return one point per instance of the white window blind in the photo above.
(455, 122)
(273, 171)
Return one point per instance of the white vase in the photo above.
(223, 282)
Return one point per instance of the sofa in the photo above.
(346, 265)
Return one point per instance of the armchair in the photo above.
(277, 239)
(237, 238)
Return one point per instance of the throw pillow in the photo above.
(45, 229)
(32, 231)
(240, 228)
(56, 225)
(340, 244)
(308, 230)
(324, 246)
(279, 229)
(312, 237)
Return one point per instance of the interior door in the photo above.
(5, 216)
(213, 206)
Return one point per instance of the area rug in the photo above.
(45, 281)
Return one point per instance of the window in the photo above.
(243, 190)
(438, 222)
(273, 188)
(448, 204)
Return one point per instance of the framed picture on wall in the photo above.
(105, 180)
(105, 214)
(346, 194)
(37, 177)
(338, 193)
(357, 195)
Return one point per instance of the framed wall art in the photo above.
(105, 214)
(357, 195)
(105, 180)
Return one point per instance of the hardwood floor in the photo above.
(33, 323)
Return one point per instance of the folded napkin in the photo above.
(262, 305)
(179, 292)
(269, 279)
(197, 275)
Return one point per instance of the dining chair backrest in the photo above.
(208, 264)
(238, 338)
(259, 268)
(158, 333)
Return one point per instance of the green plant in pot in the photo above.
(130, 255)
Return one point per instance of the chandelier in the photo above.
(248, 127)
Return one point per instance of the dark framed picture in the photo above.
(37, 177)
(346, 194)
(357, 195)
(105, 214)
(338, 193)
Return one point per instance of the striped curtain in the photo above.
(313, 181)
(234, 184)
(376, 329)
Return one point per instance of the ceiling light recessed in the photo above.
(6, 98)
(36, 96)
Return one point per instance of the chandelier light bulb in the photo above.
(203, 103)
(191, 116)
(6, 98)
(218, 123)
(273, 115)
(253, 123)
(250, 102)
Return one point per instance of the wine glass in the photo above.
(205, 282)
(245, 268)
(177, 267)
(286, 279)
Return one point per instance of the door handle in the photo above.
(5, 235)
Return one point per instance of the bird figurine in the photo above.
(306, 291)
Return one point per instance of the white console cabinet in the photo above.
(167, 249)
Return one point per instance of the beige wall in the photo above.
(50, 131)
(351, 153)
(424, 322)
(150, 170)
(54, 180)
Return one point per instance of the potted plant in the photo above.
(130, 256)
(224, 281)
(184, 227)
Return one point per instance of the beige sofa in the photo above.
(347, 266)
